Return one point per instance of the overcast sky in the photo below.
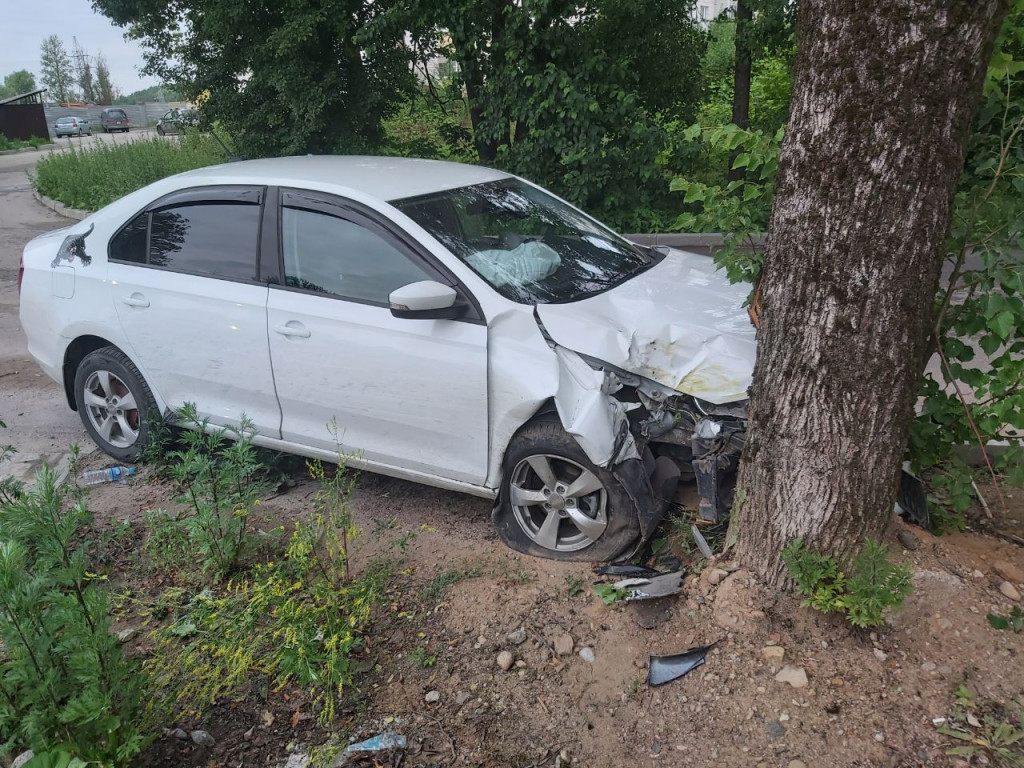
(26, 23)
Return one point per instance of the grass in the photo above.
(32, 141)
(91, 178)
(438, 587)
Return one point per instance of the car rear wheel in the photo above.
(555, 503)
(160, 130)
(115, 403)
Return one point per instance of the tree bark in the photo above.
(883, 99)
(741, 81)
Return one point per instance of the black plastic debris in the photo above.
(665, 669)
(912, 499)
(625, 569)
(73, 246)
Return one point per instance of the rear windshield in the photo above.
(116, 113)
(66, 120)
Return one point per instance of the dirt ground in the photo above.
(870, 698)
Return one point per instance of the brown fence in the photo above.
(23, 121)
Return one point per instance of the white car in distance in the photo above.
(461, 326)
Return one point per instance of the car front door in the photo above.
(403, 393)
(186, 289)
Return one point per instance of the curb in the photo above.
(40, 148)
(59, 208)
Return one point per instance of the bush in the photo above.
(31, 141)
(91, 178)
(64, 682)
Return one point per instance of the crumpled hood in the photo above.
(680, 323)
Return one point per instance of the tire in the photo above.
(527, 503)
(105, 379)
(159, 131)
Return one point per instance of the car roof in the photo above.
(387, 178)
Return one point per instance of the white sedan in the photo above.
(461, 326)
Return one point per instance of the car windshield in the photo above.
(531, 247)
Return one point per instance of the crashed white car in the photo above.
(461, 326)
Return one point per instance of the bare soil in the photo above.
(870, 700)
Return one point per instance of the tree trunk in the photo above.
(741, 81)
(883, 99)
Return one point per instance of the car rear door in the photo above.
(402, 393)
(186, 287)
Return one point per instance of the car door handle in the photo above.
(298, 330)
(136, 300)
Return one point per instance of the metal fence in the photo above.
(139, 115)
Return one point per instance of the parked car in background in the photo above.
(71, 126)
(114, 119)
(460, 326)
(174, 119)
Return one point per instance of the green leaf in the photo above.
(998, 622)
(609, 594)
(1002, 324)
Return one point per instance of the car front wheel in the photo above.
(556, 504)
(115, 403)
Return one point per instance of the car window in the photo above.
(335, 256)
(218, 239)
(168, 115)
(130, 243)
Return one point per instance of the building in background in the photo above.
(706, 11)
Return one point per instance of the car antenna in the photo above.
(232, 157)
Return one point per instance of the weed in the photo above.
(574, 585)
(874, 584)
(421, 658)
(63, 680)
(1014, 621)
(987, 729)
(438, 587)
(167, 546)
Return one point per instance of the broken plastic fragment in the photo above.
(665, 669)
(665, 585)
(378, 743)
(702, 543)
(912, 501)
(625, 570)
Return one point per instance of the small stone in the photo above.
(127, 634)
(928, 666)
(776, 730)
(717, 576)
(563, 644)
(518, 637)
(1008, 572)
(879, 737)
(784, 717)
(520, 664)
(23, 758)
(945, 625)
(587, 654)
(795, 676)
(977, 574)
(432, 697)
(773, 655)
(796, 764)
(176, 733)
(248, 734)
(1009, 590)
(462, 697)
(880, 654)
(202, 738)
(297, 760)
(837, 682)
(505, 660)
(908, 540)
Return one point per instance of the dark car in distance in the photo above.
(114, 119)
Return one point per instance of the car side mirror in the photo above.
(425, 300)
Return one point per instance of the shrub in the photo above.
(91, 178)
(63, 680)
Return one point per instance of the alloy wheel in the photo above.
(111, 409)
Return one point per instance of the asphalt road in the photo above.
(40, 425)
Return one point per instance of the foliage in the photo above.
(609, 593)
(64, 683)
(32, 141)
(295, 621)
(425, 127)
(873, 585)
(737, 209)
(10, 489)
(438, 587)
(421, 657)
(16, 83)
(572, 95)
(156, 93)
(55, 70)
(987, 730)
(104, 88)
(1014, 621)
(219, 480)
(280, 78)
(91, 178)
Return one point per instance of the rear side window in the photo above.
(130, 243)
(214, 239)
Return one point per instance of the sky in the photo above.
(24, 24)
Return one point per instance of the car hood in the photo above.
(680, 323)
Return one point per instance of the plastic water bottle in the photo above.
(108, 475)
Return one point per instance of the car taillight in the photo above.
(21, 272)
